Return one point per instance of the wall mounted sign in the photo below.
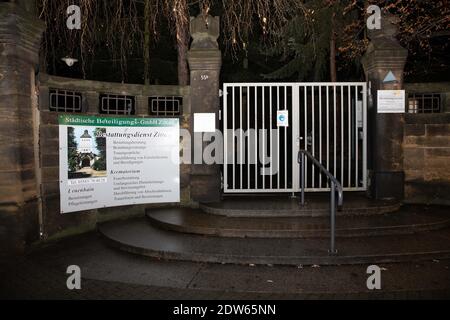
(283, 118)
(391, 101)
(204, 122)
(110, 162)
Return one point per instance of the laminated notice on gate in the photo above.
(283, 118)
(109, 162)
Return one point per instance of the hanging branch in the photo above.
(270, 16)
(114, 25)
(177, 12)
(419, 21)
(123, 26)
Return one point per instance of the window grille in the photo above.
(424, 103)
(117, 104)
(65, 101)
(165, 106)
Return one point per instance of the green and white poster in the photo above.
(109, 162)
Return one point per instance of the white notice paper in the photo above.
(391, 101)
(204, 122)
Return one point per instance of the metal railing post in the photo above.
(303, 167)
(333, 218)
(335, 187)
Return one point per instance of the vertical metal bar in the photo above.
(306, 128)
(302, 177)
(164, 112)
(57, 100)
(423, 104)
(365, 134)
(278, 141)
(335, 132)
(328, 129)
(342, 133)
(357, 138)
(313, 131)
(349, 110)
(320, 133)
(256, 138)
(295, 136)
(225, 132)
(232, 135)
(264, 133)
(432, 103)
(333, 218)
(241, 166)
(249, 138)
(285, 142)
(271, 137)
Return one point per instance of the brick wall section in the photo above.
(427, 158)
(59, 225)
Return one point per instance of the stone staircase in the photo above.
(277, 231)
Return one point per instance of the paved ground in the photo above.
(110, 274)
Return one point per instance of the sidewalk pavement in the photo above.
(110, 274)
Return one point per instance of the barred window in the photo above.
(65, 101)
(165, 106)
(424, 103)
(117, 104)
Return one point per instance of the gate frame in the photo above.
(296, 133)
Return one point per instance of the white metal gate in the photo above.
(327, 119)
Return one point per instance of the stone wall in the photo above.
(427, 158)
(29, 146)
(20, 35)
(54, 223)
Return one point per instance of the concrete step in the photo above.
(408, 220)
(138, 236)
(317, 205)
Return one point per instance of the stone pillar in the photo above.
(205, 61)
(385, 55)
(20, 38)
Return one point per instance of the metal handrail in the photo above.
(335, 187)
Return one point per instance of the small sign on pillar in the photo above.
(204, 122)
(391, 101)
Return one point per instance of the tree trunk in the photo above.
(179, 11)
(147, 18)
(333, 74)
(183, 69)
